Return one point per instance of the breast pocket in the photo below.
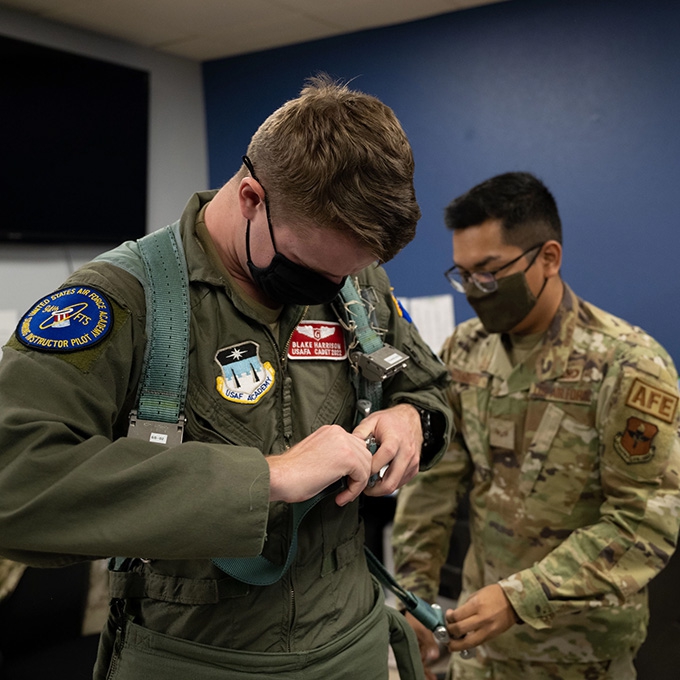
(560, 466)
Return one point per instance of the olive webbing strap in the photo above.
(259, 571)
(166, 359)
(430, 616)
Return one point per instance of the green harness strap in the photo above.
(158, 262)
(166, 374)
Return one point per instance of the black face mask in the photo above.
(283, 280)
(504, 308)
(289, 283)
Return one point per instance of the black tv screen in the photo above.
(73, 147)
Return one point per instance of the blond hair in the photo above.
(338, 158)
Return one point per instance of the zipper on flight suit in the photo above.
(291, 619)
(286, 387)
(287, 419)
(287, 422)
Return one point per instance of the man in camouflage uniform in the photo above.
(567, 421)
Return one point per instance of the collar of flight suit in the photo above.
(205, 267)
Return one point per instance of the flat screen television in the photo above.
(73, 147)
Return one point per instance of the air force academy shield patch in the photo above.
(245, 379)
(69, 319)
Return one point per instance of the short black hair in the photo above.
(526, 208)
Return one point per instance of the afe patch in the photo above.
(318, 340)
(245, 379)
(652, 400)
(634, 444)
(68, 320)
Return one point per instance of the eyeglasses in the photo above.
(485, 281)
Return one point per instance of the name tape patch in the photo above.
(557, 392)
(652, 400)
(68, 320)
(318, 340)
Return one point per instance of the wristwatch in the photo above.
(426, 425)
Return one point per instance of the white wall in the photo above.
(177, 154)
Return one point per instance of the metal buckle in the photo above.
(170, 434)
(381, 364)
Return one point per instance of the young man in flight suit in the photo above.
(325, 192)
(566, 435)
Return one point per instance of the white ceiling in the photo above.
(211, 29)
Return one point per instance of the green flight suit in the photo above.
(572, 458)
(73, 487)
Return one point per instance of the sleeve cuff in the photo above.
(528, 599)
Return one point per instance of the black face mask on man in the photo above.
(289, 283)
(283, 280)
(504, 308)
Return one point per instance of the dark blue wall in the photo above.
(583, 93)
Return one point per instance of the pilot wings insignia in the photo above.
(316, 332)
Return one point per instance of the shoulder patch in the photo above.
(68, 320)
(401, 310)
(655, 401)
(634, 444)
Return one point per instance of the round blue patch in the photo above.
(67, 320)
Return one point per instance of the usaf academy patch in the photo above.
(69, 319)
(245, 379)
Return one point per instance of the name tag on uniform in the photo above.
(556, 392)
(467, 378)
(318, 340)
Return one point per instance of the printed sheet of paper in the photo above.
(433, 316)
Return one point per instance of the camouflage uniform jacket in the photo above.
(572, 458)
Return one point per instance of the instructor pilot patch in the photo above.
(69, 319)
(245, 379)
